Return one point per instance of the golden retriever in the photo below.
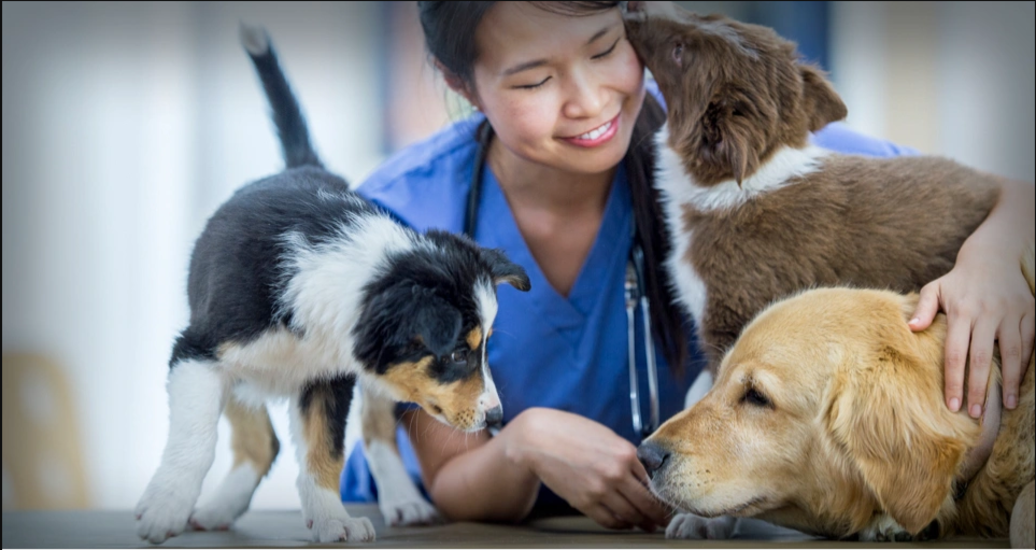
(827, 416)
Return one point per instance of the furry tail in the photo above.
(291, 126)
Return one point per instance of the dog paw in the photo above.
(342, 529)
(161, 518)
(413, 512)
(885, 529)
(690, 526)
(212, 518)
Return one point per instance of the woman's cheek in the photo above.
(530, 120)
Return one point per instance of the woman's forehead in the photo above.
(516, 33)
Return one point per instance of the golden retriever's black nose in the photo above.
(652, 456)
(495, 416)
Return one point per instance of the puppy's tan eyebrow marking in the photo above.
(474, 338)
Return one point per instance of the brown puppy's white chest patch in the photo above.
(684, 198)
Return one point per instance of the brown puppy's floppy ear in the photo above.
(731, 140)
(884, 412)
(820, 99)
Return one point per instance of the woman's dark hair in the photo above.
(449, 31)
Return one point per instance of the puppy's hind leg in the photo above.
(317, 422)
(398, 499)
(196, 397)
(255, 447)
(1023, 518)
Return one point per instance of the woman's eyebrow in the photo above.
(540, 62)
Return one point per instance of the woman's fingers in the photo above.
(927, 307)
(653, 511)
(982, 338)
(605, 517)
(958, 335)
(1011, 366)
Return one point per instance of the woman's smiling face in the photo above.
(560, 90)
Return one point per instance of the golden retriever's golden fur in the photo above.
(828, 417)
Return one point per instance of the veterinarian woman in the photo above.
(559, 185)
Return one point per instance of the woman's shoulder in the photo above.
(839, 137)
(425, 184)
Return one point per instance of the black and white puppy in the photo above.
(299, 288)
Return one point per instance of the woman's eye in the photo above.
(533, 86)
(459, 357)
(606, 52)
(756, 398)
(678, 53)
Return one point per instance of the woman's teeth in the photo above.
(596, 132)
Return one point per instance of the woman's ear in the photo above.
(458, 85)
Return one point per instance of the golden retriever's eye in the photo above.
(755, 398)
(678, 53)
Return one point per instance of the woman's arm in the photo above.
(478, 478)
(985, 297)
(469, 476)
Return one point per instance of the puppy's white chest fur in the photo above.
(679, 193)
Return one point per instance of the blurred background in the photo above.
(126, 124)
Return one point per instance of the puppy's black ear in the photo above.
(398, 316)
(820, 99)
(504, 270)
(433, 320)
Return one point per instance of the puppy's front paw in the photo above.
(690, 526)
(212, 518)
(412, 512)
(160, 517)
(342, 529)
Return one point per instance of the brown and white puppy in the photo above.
(754, 211)
(828, 417)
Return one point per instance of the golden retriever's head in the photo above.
(736, 93)
(827, 411)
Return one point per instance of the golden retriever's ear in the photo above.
(883, 413)
(820, 99)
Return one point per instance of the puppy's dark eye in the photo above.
(459, 357)
(678, 53)
(755, 398)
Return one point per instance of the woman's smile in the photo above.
(598, 136)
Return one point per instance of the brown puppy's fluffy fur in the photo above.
(756, 213)
(827, 417)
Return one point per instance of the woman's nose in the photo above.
(586, 99)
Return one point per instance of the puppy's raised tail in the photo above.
(291, 126)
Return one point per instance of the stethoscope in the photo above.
(634, 288)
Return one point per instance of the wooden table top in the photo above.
(266, 529)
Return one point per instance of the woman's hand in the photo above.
(986, 299)
(588, 465)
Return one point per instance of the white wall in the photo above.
(124, 126)
(948, 78)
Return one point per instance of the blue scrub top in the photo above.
(547, 350)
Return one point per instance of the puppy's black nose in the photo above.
(652, 456)
(494, 416)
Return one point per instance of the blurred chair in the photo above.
(42, 449)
